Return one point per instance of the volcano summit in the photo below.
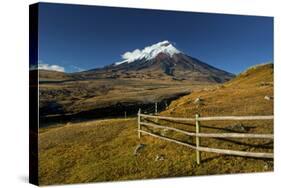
(160, 61)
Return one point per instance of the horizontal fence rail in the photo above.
(235, 118)
(218, 118)
(213, 150)
(168, 118)
(198, 134)
(168, 139)
(212, 135)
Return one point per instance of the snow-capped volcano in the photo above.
(149, 52)
(160, 61)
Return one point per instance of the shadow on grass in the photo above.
(267, 145)
(209, 159)
(151, 130)
(248, 128)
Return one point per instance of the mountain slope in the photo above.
(160, 61)
(244, 95)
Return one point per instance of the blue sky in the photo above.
(84, 37)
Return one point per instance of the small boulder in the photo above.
(268, 165)
(268, 97)
(197, 100)
(265, 167)
(138, 149)
(238, 128)
(159, 158)
(164, 132)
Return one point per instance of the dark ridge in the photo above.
(114, 111)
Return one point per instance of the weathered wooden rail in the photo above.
(198, 134)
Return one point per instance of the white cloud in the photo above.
(51, 67)
(76, 68)
(44, 66)
(130, 55)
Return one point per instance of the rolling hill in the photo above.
(103, 150)
(245, 94)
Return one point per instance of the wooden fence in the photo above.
(198, 134)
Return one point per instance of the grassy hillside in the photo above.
(47, 75)
(244, 95)
(104, 151)
(93, 151)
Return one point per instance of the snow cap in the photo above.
(149, 52)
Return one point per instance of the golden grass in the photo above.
(95, 151)
(244, 95)
(103, 151)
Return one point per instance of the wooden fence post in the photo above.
(125, 115)
(156, 111)
(139, 125)
(198, 154)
